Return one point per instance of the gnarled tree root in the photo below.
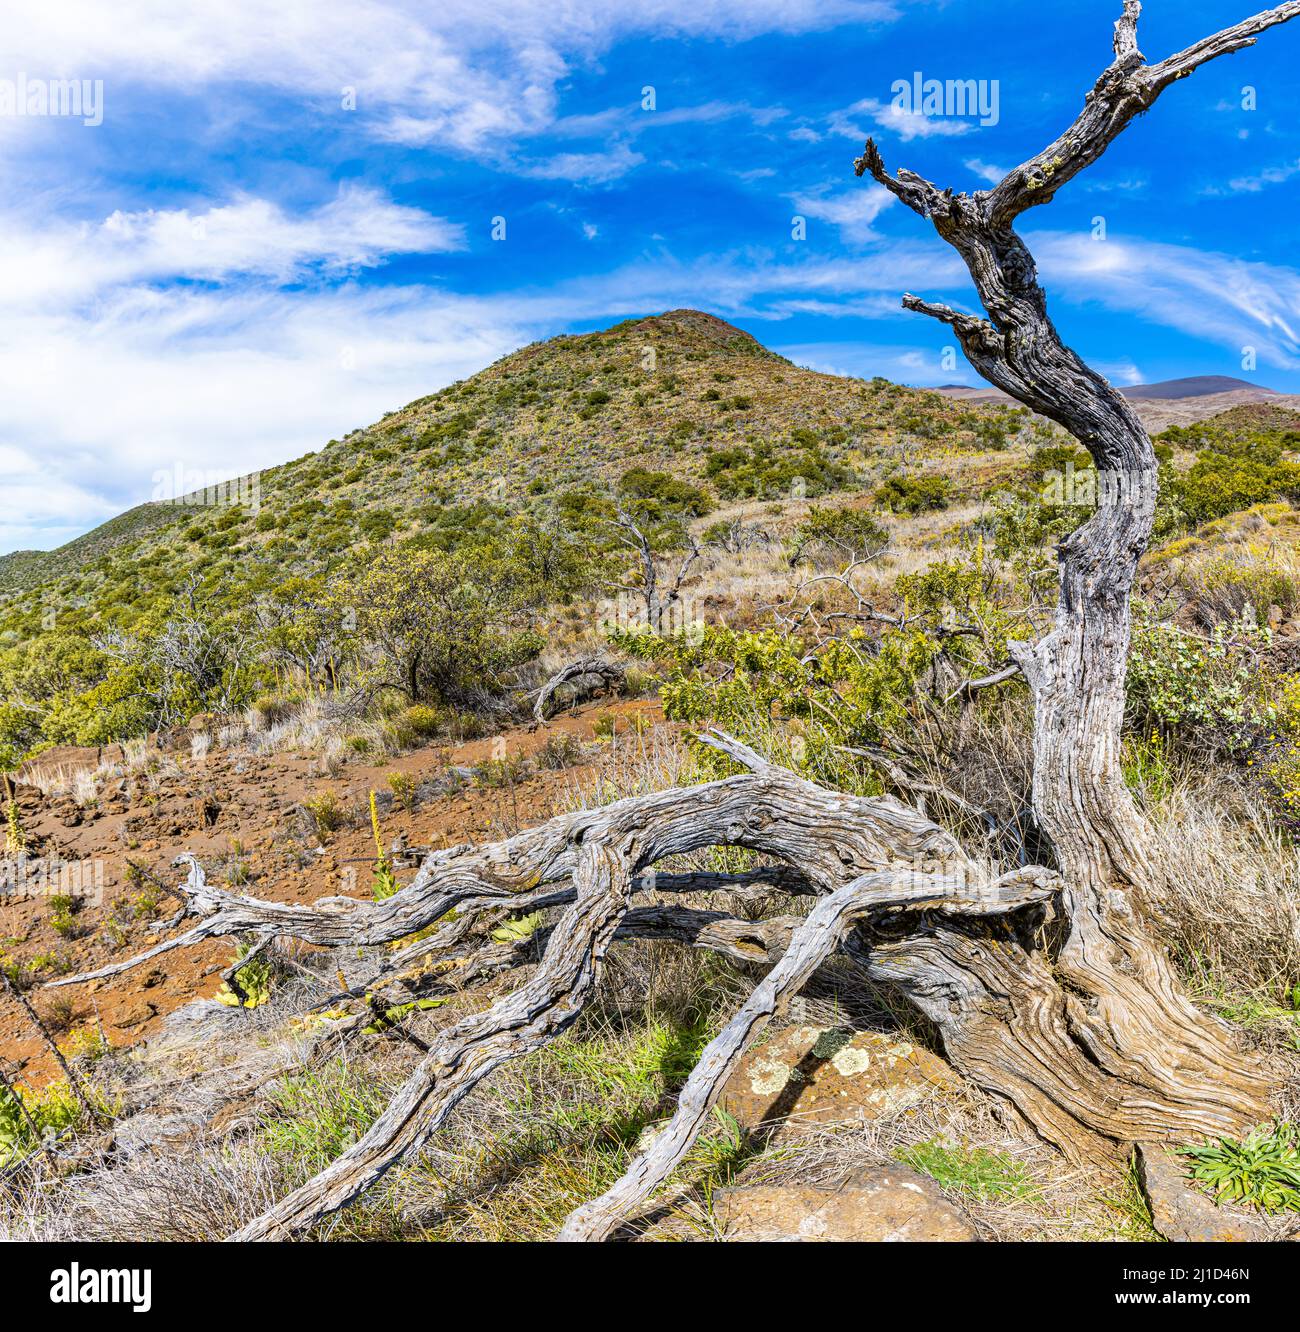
(897, 895)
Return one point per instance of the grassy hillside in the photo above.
(438, 552)
(676, 414)
(573, 412)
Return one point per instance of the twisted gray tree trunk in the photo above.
(1123, 1054)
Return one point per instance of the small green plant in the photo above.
(145, 903)
(255, 980)
(63, 912)
(384, 884)
(85, 1042)
(1261, 1170)
(397, 1012)
(498, 772)
(972, 1171)
(403, 787)
(326, 811)
(27, 1117)
(522, 927)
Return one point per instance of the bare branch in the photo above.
(1125, 89)
(524, 1020)
(1126, 47)
(968, 687)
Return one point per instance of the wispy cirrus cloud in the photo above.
(1263, 180)
(1230, 302)
(853, 211)
(460, 74)
(852, 121)
(992, 175)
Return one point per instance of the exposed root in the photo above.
(896, 893)
(534, 1014)
(815, 939)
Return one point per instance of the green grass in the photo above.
(548, 1133)
(971, 1172)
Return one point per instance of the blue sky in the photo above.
(283, 225)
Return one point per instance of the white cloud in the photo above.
(586, 168)
(986, 172)
(1120, 372)
(46, 264)
(1230, 302)
(1270, 176)
(458, 74)
(890, 116)
(852, 211)
(903, 364)
(217, 337)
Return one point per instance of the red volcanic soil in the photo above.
(232, 806)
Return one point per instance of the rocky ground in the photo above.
(248, 818)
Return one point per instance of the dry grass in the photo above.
(1229, 910)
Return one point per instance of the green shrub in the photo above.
(273, 708)
(327, 812)
(659, 494)
(436, 626)
(1213, 692)
(1225, 590)
(403, 786)
(914, 494)
(422, 721)
(1217, 484)
(764, 471)
(837, 536)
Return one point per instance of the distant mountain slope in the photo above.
(1195, 386)
(662, 393)
(1169, 402)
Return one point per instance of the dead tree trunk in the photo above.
(1094, 1042)
(1149, 1060)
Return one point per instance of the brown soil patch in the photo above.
(233, 806)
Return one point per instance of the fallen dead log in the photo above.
(585, 676)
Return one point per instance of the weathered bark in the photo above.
(1131, 1056)
(469, 1051)
(811, 943)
